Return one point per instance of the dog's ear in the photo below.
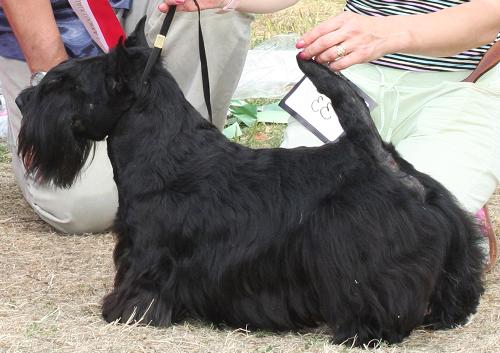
(137, 38)
(119, 67)
(121, 60)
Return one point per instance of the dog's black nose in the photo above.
(20, 100)
(24, 97)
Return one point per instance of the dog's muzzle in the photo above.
(21, 99)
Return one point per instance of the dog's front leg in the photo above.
(142, 292)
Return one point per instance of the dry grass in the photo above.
(297, 19)
(51, 286)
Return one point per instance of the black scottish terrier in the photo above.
(347, 234)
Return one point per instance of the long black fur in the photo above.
(348, 234)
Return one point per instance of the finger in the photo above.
(323, 44)
(186, 5)
(163, 7)
(334, 53)
(346, 61)
(320, 30)
(346, 47)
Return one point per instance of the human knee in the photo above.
(77, 214)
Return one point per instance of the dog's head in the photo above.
(77, 102)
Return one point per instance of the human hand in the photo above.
(39, 38)
(189, 5)
(349, 39)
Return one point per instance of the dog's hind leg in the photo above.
(459, 284)
(373, 312)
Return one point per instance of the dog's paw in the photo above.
(366, 338)
(356, 341)
(443, 323)
(137, 307)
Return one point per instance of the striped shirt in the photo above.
(466, 60)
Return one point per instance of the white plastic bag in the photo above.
(3, 118)
(270, 69)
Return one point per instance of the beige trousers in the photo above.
(90, 204)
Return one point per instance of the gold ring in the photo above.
(341, 51)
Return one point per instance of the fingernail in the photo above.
(302, 55)
(333, 67)
(162, 7)
(300, 44)
(178, 2)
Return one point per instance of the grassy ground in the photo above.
(298, 19)
(51, 285)
(4, 153)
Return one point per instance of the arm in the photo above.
(35, 29)
(442, 33)
(252, 6)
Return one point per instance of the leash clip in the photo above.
(159, 41)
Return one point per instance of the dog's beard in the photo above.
(47, 146)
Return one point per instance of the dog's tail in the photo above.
(351, 109)
(354, 116)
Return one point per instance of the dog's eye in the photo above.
(78, 126)
(53, 82)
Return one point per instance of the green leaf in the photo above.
(273, 117)
(248, 120)
(243, 112)
(232, 131)
(272, 113)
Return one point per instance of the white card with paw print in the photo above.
(315, 110)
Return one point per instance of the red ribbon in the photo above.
(100, 20)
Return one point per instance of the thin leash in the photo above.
(158, 47)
